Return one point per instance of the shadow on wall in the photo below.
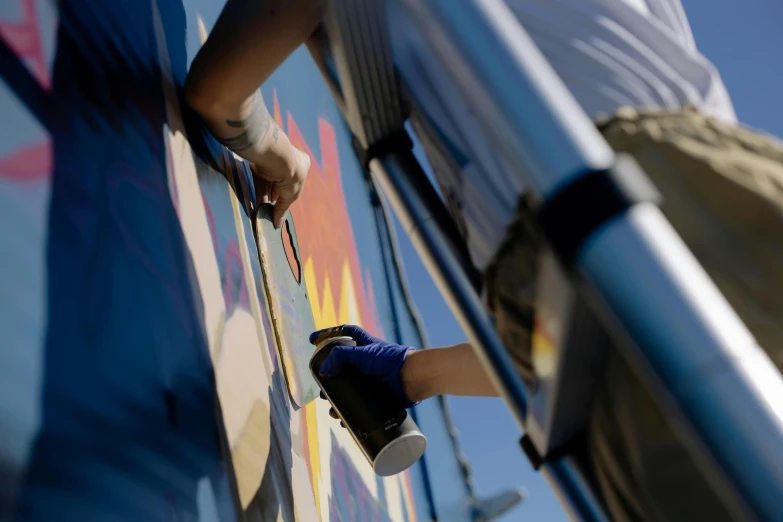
(128, 428)
(131, 428)
(128, 402)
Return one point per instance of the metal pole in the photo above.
(397, 174)
(573, 490)
(666, 314)
(392, 173)
(516, 95)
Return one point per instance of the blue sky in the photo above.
(744, 40)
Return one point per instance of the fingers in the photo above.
(361, 336)
(265, 189)
(263, 194)
(314, 336)
(281, 207)
(338, 358)
(333, 413)
(282, 182)
(333, 331)
(358, 334)
(289, 190)
(260, 185)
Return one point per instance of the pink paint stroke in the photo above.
(24, 38)
(29, 163)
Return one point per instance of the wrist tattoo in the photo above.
(255, 126)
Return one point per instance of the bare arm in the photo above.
(453, 370)
(249, 41)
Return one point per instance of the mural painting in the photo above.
(143, 350)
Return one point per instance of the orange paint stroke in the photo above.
(323, 225)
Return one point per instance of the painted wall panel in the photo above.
(139, 379)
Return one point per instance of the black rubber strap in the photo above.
(591, 200)
(395, 142)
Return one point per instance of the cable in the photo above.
(381, 224)
(382, 208)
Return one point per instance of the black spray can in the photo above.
(372, 414)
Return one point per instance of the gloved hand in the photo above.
(374, 357)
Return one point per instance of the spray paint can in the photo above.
(372, 414)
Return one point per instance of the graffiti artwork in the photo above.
(143, 380)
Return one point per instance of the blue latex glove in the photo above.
(374, 357)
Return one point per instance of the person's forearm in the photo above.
(453, 370)
(253, 135)
(249, 41)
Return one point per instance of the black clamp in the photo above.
(396, 142)
(572, 446)
(591, 200)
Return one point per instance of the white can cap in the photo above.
(400, 454)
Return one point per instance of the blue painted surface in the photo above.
(108, 391)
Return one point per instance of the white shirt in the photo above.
(609, 53)
(612, 53)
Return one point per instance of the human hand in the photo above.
(282, 177)
(372, 356)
